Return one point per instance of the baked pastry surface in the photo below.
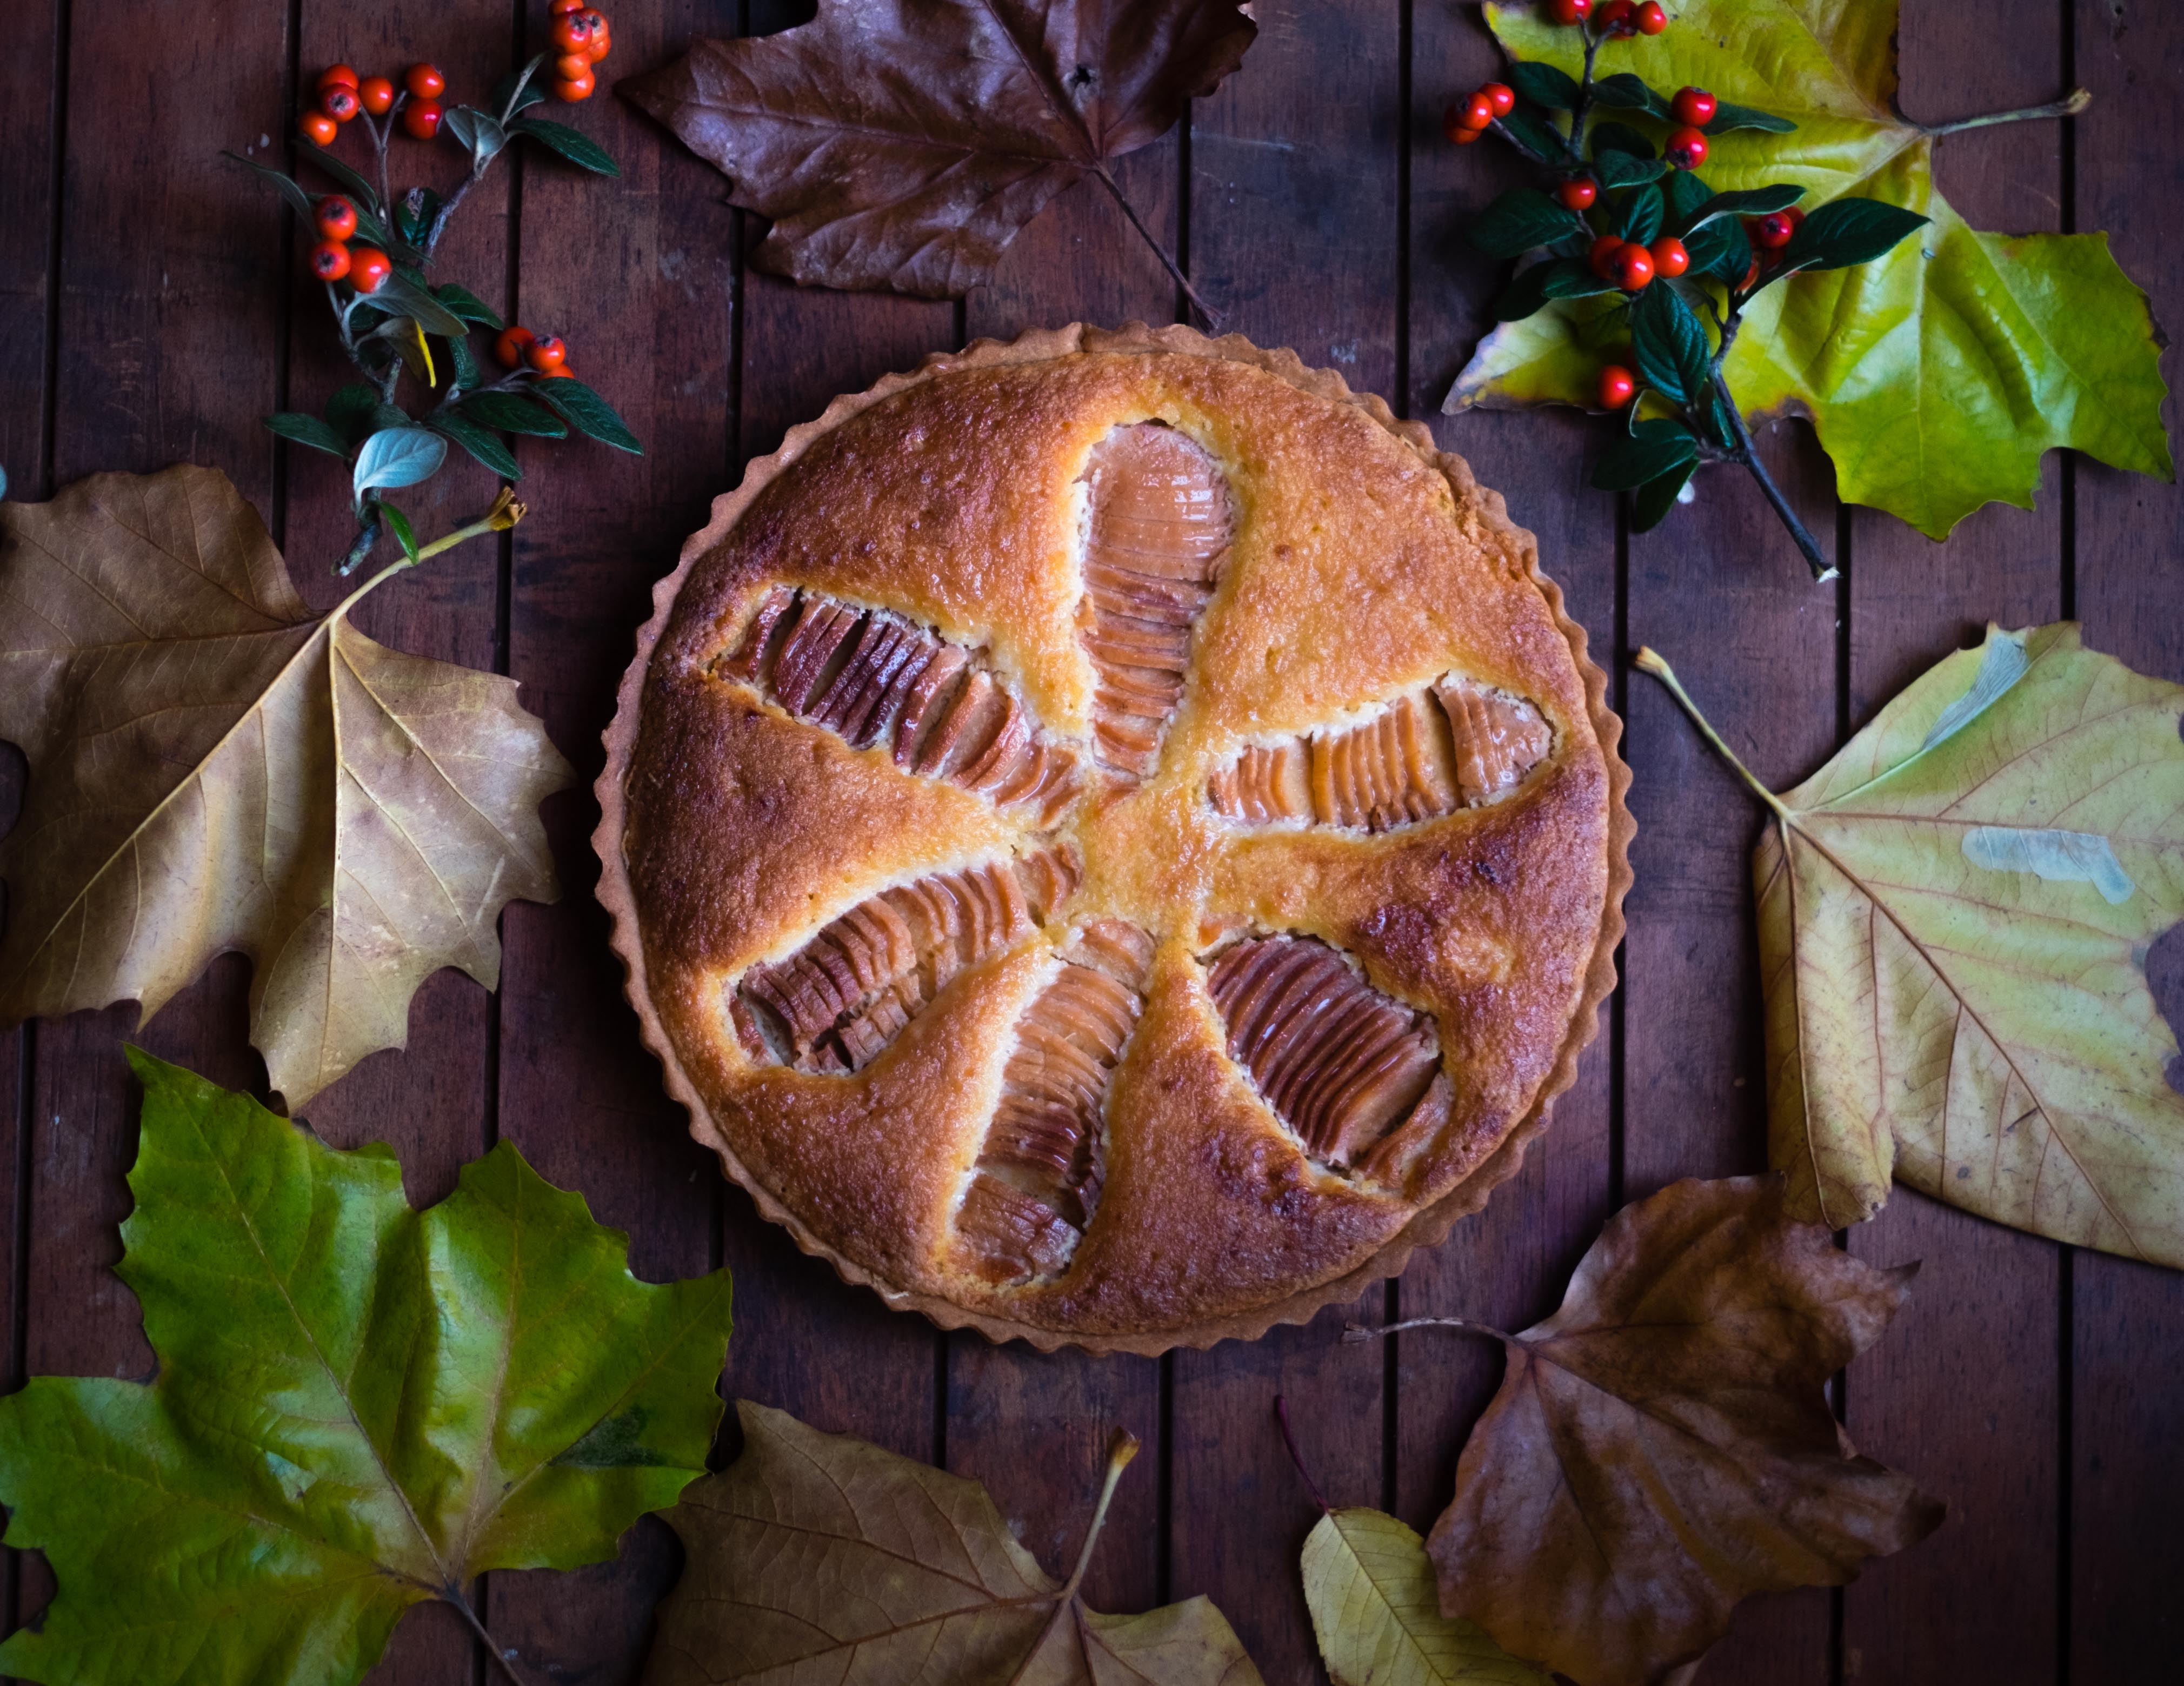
(1113, 839)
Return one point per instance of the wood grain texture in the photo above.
(2125, 1353)
(1978, 1598)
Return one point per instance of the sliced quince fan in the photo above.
(1108, 840)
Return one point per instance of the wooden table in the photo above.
(152, 308)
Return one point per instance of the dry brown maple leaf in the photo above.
(815, 1556)
(1661, 1447)
(212, 768)
(903, 143)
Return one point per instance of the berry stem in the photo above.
(1823, 569)
(2069, 106)
(1208, 314)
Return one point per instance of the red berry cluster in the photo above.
(364, 267)
(1615, 17)
(518, 348)
(340, 97)
(581, 38)
(1466, 120)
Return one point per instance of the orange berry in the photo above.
(1501, 97)
(559, 371)
(1602, 254)
(340, 74)
(336, 219)
(1651, 19)
(367, 268)
(513, 342)
(573, 32)
(1617, 386)
(602, 43)
(1686, 149)
(550, 353)
(318, 128)
(1570, 11)
(574, 88)
(1669, 257)
(1693, 107)
(1464, 137)
(376, 95)
(1578, 193)
(424, 81)
(570, 65)
(330, 260)
(340, 102)
(562, 8)
(420, 119)
(1631, 268)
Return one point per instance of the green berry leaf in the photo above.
(512, 413)
(1638, 218)
(299, 200)
(1626, 92)
(1719, 249)
(395, 457)
(1976, 353)
(1658, 496)
(1686, 193)
(1619, 137)
(1727, 117)
(1846, 232)
(1544, 84)
(399, 293)
(468, 306)
(579, 148)
(481, 442)
(578, 405)
(1525, 294)
(1626, 170)
(1749, 202)
(308, 430)
(413, 218)
(399, 524)
(1629, 463)
(1673, 357)
(350, 411)
(360, 191)
(466, 374)
(1522, 219)
(1574, 278)
(476, 130)
(359, 1406)
(1533, 131)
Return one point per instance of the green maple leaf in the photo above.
(1937, 376)
(359, 1406)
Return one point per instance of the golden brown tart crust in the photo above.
(1389, 766)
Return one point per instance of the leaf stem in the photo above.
(1649, 660)
(505, 514)
(1282, 1416)
(1120, 1450)
(454, 1595)
(1359, 1332)
(1208, 314)
(2069, 106)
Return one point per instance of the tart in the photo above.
(1113, 839)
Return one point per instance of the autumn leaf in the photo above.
(212, 768)
(1661, 1447)
(1936, 376)
(821, 1557)
(359, 1406)
(903, 143)
(1954, 917)
(1376, 1615)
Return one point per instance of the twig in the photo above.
(1823, 569)
(1208, 314)
(1282, 1416)
(2069, 106)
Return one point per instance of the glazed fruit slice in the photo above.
(1340, 1064)
(1160, 519)
(874, 678)
(842, 997)
(1037, 1177)
(1454, 745)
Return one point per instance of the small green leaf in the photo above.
(1687, 193)
(361, 191)
(1727, 117)
(399, 293)
(481, 442)
(308, 430)
(1619, 137)
(1749, 202)
(1627, 92)
(512, 413)
(399, 524)
(580, 150)
(1525, 294)
(414, 217)
(1543, 85)
(351, 411)
(468, 306)
(1575, 278)
(1629, 463)
(480, 133)
(465, 373)
(1626, 170)
(585, 409)
(1673, 357)
(1845, 232)
(1533, 131)
(1522, 218)
(299, 200)
(1721, 249)
(395, 457)
(1658, 496)
(504, 90)
(1638, 220)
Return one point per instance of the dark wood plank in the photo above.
(1293, 233)
(638, 275)
(1980, 1597)
(1505, 1266)
(1033, 1426)
(2126, 1320)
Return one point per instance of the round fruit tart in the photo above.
(1114, 839)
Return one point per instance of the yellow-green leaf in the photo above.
(1954, 918)
(1376, 1611)
(1935, 377)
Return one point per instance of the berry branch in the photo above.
(373, 252)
